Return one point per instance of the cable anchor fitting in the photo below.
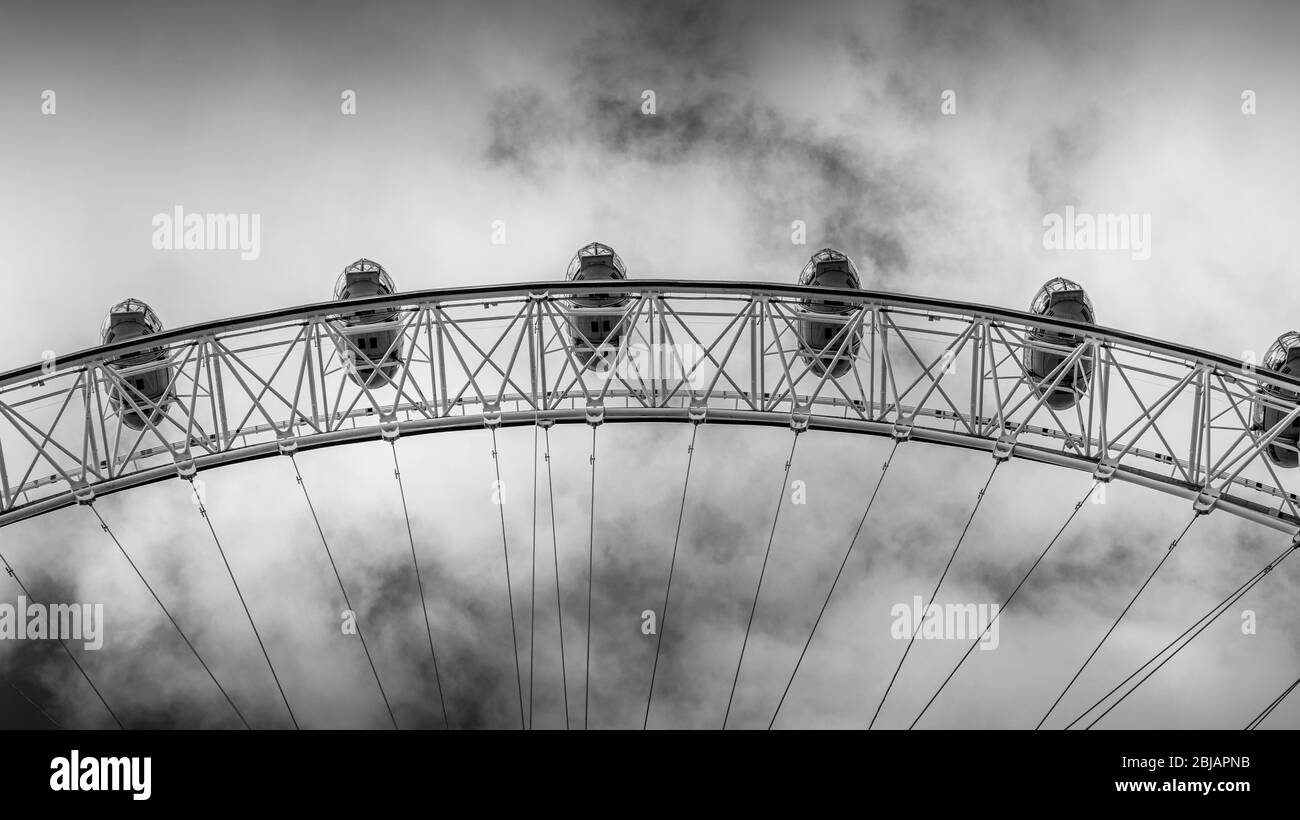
(1003, 448)
(82, 492)
(698, 411)
(185, 466)
(800, 415)
(1206, 499)
(286, 441)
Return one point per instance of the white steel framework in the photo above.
(1161, 415)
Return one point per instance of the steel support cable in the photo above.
(13, 574)
(761, 572)
(672, 565)
(338, 577)
(1075, 511)
(1268, 710)
(104, 526)
(910, 641)
(555, 551)
(1214, 612)
(1200, 626)
(1120, 617)
(203, 511)
(884, 469)
(33, 703)
(419, 583)
(510, 592)
(591, 564)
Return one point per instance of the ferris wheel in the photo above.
(1048, 385)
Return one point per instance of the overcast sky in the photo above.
(530, 113)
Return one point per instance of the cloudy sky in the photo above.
(530, 113)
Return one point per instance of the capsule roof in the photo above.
(1060, 284)
(823, 258)
(363, 266)
(132, 305)
(588, 254)
(1280, 349)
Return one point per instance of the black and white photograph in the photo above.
(649, 367)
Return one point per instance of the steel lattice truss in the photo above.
(1168, 417)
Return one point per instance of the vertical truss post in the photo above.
(883, 330)
(90, 452)
(757, 345)
(435, 316)
(1198, 425)
(320, 361)
(978, 339)
(531, 331)
(652, 358)
(544, 307)
(312, 376)
(1103, 395)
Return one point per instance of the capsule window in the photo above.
(595, 325)
(826, 334)
(606, 328)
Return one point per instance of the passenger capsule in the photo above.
(1059, 299)
(824, 322)
(373, 349)
(596, 321)
(1283, 357)
(146, 376)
